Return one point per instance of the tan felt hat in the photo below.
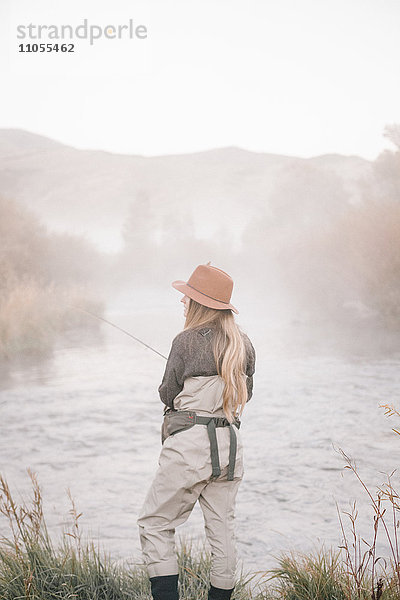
(208, 286)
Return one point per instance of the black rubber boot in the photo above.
(219, 594)
(164, 587)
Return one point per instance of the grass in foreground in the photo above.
(32, 567)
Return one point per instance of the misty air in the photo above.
(184, 236)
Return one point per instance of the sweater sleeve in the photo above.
(250, 366)
(172, 381)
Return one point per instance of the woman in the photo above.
(207, 381)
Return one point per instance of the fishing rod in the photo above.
(120, 329)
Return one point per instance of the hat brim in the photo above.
(182, 286)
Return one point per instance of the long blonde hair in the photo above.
(229, 353)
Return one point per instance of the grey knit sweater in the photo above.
(191, 355)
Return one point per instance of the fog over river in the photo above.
(88, 419)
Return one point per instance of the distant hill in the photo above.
(92, 192)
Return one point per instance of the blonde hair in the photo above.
(229, 353)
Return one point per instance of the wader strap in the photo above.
(212, 423)
(232, 453)
(216, 467)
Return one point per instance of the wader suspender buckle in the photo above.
(212, 423)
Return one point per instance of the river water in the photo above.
(88, 418)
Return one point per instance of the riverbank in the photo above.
(33, 567)
(33, 317)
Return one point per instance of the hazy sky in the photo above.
(298, 77)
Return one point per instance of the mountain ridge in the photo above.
(94, 192)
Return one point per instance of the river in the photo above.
(88, 417)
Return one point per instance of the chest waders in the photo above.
(180, 420)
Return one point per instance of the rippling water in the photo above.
(88, 419)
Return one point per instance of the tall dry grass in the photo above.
(32, 566)
(368, 574)
(32, 316)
